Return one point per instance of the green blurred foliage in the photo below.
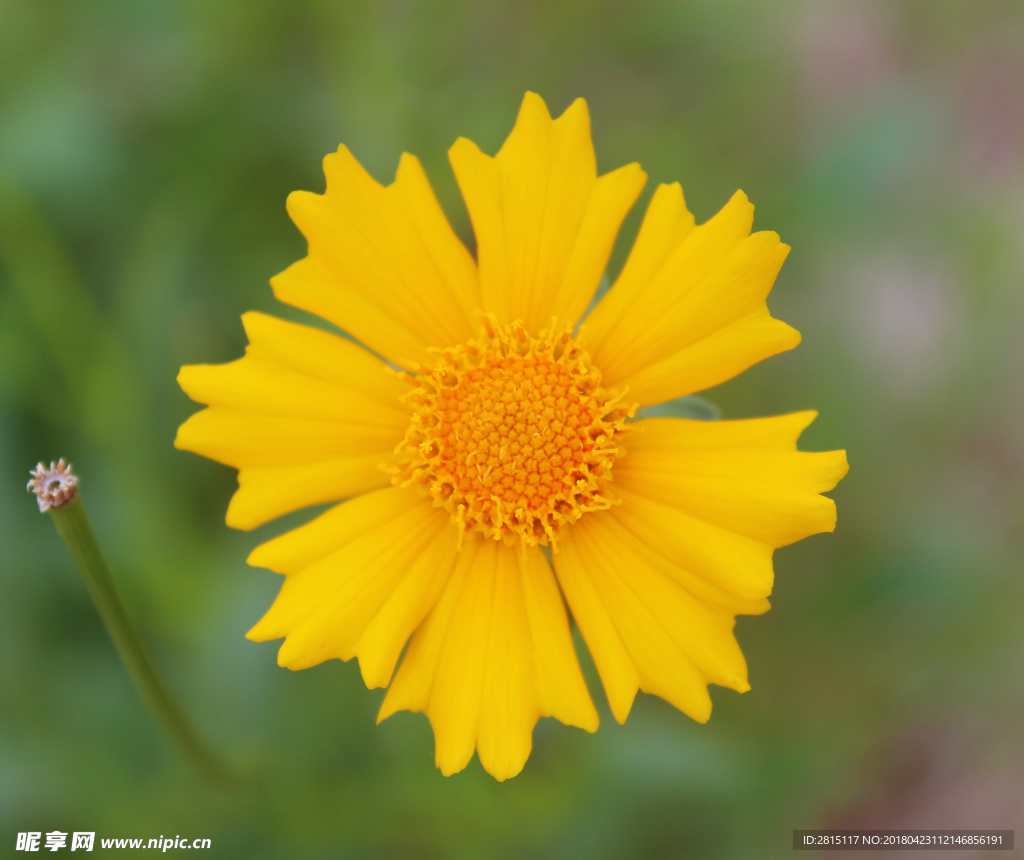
(146, 150)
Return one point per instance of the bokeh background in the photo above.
(146, 150)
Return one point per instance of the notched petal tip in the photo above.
(410, 168)
(189, 379)
(621, 707)
(504, 769)
(239, 518)
(374, 677)
(632, 178)
(739, 197)
(700, 717)
(261, 631)
(576, 115)
(260, 557)
(464, 146)
(533, 104)
(185, 437)
(298, 202)
(179, 443)
(800, 421)
(827, 516)
(386, 710)
(830, 480)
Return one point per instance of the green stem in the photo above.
(73, 527)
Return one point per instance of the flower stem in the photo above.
(74, 529)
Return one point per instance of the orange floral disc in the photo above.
(513, 435)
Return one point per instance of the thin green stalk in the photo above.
(73, 527)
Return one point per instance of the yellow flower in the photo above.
(507, 433)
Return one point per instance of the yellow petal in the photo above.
(714, 359)
(655, 582)
(702, 632)
(298, 549)
(673, 643)
(671, 270)
(444, 668)
(715, 564)
(385, 636)
(666, 224)
(323, 356)
(312, 285)
(454, 264)
(691, 309)
(245, 440)
(492, 656)
(561, 691)
(414, 680)
(614, 663)
(383, 263)
(544, 222)
(265, 494)
(765, 491)
(307, 417)
(252, 386)
(776, 431)
(326, 607)
(508, 698)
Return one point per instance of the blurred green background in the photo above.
(146, 150)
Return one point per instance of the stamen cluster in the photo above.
(513, 435)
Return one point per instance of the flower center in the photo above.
(513, 435)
